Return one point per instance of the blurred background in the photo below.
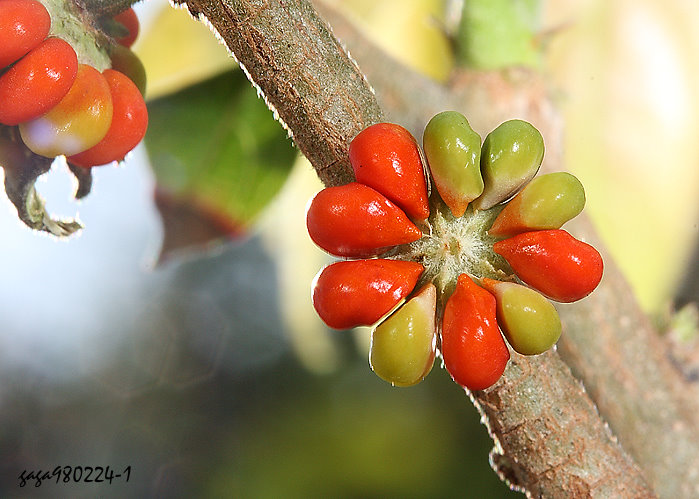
(175, 333)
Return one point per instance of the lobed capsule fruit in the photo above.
(530, 322)
(129, 20)
(473, 349)
(386, 158)
(355, 220)
(125, 61)
(553, 262)
(128, 125)
(37, 82)
(358, 293)
(453, 152)
(402, 349)
(511, 156)
(23, 26)
(547, 202)
(465, 240)
(79, 121)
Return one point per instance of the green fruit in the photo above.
(530, 322)
(511, 156)
(547, 202)
(127, 62)
(453, 153)
(403, 346)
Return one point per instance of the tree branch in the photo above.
(551, 440)
(303, 73)
(650, 404)
(108, 8)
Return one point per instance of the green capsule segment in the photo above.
(529, 321)
(453, 152)
(403, 346)
(126, 61)
(511, 156)
(547, 202)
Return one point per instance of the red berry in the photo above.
(129, 123)
(23, 26)
(37, 82)
(355, 220)
(386, 157)
(75, 124)
(129, 20)
(358, 293)
(553, 262)
(473, 349)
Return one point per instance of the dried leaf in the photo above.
(22, 168)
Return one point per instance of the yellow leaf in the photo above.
(630, 74)
(412, 32)
(179, 51)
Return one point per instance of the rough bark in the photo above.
(550, 440)
(303, 73)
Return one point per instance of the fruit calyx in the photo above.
(452, 246)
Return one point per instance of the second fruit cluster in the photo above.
(444, 270)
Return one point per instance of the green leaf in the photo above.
(495, 34)
(216, 146)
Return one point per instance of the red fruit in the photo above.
(386, 157)
(358, 293)
(77, 123)
(129, 20)
(355, 220)
(23, 26)
(553, 262)
(37, 82)
(129, 123)
(473, 349)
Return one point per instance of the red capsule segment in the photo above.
(355, 220)
(129, 20)
(386, 157)
(78, 122)
(23, 26)
(358, 293)
(37, 82)
(128, 126)
(473, 349)
(553, 262)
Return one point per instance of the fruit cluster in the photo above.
(64, 107)
(448, 269)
